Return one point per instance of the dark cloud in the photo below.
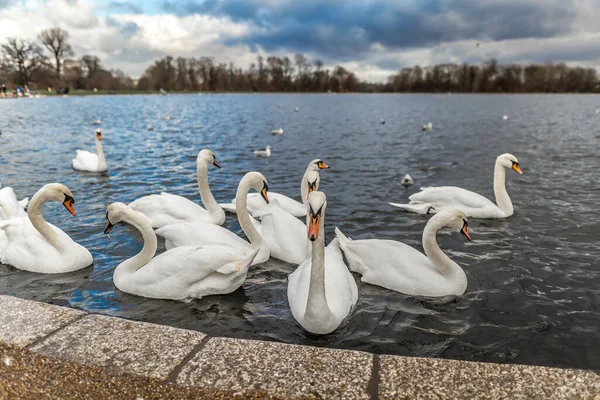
(123, 7)
(343, 29)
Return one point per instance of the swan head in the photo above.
(114, 214)
(317, 202)
(258, 182)
(509, 161)
(454, 219)
(61, 194)
(312, 181)
(317, 164)
(208, 157)
(99, 134)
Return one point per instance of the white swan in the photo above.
(433, 199)
(164, 209)
(321, 291)
(202, 233)
(396, 266)
(183, 273)
(407, 181)
(288, 204)
(37, 246)
(86, 161)
(263, 153)
(277, 131)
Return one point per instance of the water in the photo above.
(534, 279)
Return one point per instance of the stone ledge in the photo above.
(242, 368)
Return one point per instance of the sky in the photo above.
(373, 38)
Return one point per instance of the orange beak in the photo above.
(108, 227)
(215, 163)
(465, 233)
(263, 193)
(69, 206)
(322, 165)
(516, 168)
(313, 227)
(98, 136)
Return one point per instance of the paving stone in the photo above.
(120, 345)
(281, 369)
(22, 322)
(429, 378)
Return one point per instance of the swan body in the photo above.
(433, 199)
(165, 209)
(288, 204)
(428, 127)
(90, 162)
(202, 233)
(34, 245)
(183, 273)
(407, 181)
(263, 153)
(397, 266)
(321, 291)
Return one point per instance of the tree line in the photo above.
(49, 62)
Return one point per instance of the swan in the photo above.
(407, 181)
(164, 209)
(37, 246)
(10, 206)
(202, 233)
(263, 153)
(433, 199)
(97, 122)
(427, 127)
(321, 291)
(183, 273)
(86, 161)
(288, 204)
(397, 266)
(277, 131)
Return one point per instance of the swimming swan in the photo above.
(202, 233)
(433, 199)
(288, 204)
(321, 291)
(183, 273)
(86, 161)
(164, 209)
(397, 266)
(37, 246)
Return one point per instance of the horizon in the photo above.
(373, 39)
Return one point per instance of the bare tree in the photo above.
(55, 40)
(22, 58)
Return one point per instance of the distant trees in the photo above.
(23, 62)
(55, 40)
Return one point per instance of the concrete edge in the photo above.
(240, 367)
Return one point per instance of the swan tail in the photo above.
(237, 266)
(229, 207)
(23, 203)
(342, 239)
(418, 208)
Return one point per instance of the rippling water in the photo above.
(534, 279)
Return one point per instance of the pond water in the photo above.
(534, 279)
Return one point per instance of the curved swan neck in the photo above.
(438, 258)
(304, 187)
(241, 210)
(100, 153)
(128, 267)
(35, 214)
(205, 194)
(502, 199)
(316, 306)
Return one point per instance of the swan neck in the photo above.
(304, 187)
(502, 199)
(205, 194)
(317, 306)
(35, 214)
(438, 258)
(148, 250)
(241, 210)
(100, 153)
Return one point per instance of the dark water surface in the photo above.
(534, 279)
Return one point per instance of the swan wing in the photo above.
(451, 196)
(165, 209)
(85, 161)
(200, 233)
(285, 234)
(9, 205)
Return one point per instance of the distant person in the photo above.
(3, 90)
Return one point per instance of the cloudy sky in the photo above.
(373, 38)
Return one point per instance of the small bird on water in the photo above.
(263, 153)
(382, 121)
(407, 181)
(505, 117)
(277, 131)
(427, 127)
(97, 122)
(150, 127)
